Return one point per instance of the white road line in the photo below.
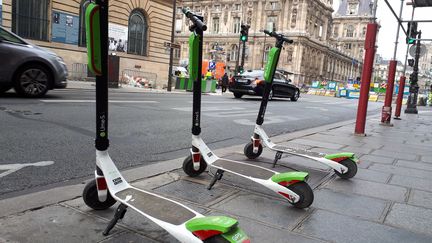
(93, 101)
(11, 168)
(316, 108)
(211, 108)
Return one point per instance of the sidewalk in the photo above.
(389, 200)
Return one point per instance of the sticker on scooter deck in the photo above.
(243, 169)
(297, 151)
(156, 207)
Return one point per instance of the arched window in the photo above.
(350, 31)
(82, 28)
(137, 37)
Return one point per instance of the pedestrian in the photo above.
(224, 82)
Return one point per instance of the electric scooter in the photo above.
(291, 186)
(109, 186)
(344, 164)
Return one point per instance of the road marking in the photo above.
(316, 108)
(268, 120)
(210, 108)
(93, 101)
(11, 168)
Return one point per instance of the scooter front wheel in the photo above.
(189, 169)
(352, 169)
(248, 151)
(91, 199)
(305, 192)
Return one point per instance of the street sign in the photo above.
(171, 45)
(412, 50)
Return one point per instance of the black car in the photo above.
(252, 83)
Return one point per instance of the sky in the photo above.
(387, 32)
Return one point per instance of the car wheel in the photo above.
(270, 97)
(3, 89)
(238, 95)
(296, 95)
(32, 81)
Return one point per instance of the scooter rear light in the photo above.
(205, 234)
(101, 183)
(287, 183)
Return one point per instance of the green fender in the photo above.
(270, 67)
(290, 176)
(226, 225)
(193, 57)
(342, 155)
(93, 39)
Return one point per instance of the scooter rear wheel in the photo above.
(90, 196)
(188, 167)
(352, 169)
(305, 192)
(248, 151)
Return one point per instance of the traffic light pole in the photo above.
(414, 88)
(243, 56)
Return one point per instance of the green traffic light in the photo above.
(411, 41)
(243, 38)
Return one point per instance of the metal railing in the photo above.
(78, 72)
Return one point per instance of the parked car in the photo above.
(252, 83)
(29, 69)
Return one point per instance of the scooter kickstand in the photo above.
(216, 177)
(119, 214)
(278, 155)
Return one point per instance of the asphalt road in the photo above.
(143, 127)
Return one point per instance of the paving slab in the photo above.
(360, 149)
(371, 175)
(268, 210)
(368, 188)
(318, 144)
(419, 150)
(50, 224)
(396, 155)
(417, 219)
(338, 228)
(404, 171)
(420, 198)
(350, 204)
(129, 238)
(344, 140)
(377, 159)
(413, 182)
(364, 164)
(426, 158)
(415, 165)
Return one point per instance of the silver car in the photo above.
(29, 69)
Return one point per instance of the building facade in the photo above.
(314, 55)
(137, 31)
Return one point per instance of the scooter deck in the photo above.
(243, 168)
(155, 206)
(297, 151)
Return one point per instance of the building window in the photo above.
(138, 29)
(289, 56)
(274, 5)
(233, 53)
(348, 46)
(336, 31)
(177, 53)
(352, 8)
(271, 23)
(236, 26)
(217, 8)
(266, 53)
(237, 7)
(350, 31)
(82, 31)
(179, 10)
(178, 25)
(30, 19)
(294, 18)
(364, 31)
(215, 25)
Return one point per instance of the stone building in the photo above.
(137, 31)
(314, 54)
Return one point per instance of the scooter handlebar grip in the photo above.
(195, 20)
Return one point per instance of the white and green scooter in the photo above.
(344, 164)
(109, 186)
(291, 186)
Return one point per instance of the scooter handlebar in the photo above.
(194, 18)
(278, 36)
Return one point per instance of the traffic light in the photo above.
(244, 32)
(412, 32)
(411, 62)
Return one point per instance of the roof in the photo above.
(365, 8)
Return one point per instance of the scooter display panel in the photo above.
(155, 206)
(244, 169)
(285, 149)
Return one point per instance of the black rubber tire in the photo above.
(3, 89)
(296, 95)
(216, 239)
(189, 169)
(305, 192)
(238, 95)
(248, 151)
(18, 85)
(90, 197)
(352, 169)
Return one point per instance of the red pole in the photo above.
(400, 97)
(387, 108)
(366, 78)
